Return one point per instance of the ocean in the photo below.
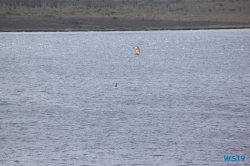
(184, 101)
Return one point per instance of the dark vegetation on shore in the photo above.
(61, 15)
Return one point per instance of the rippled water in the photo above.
(184, 101)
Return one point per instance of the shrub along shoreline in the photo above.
(122, 15)
(19, 24)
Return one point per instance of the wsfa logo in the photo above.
(235, 158)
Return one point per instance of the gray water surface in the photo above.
(184, 101)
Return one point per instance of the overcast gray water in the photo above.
(185, 100)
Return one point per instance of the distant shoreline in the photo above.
(122, 15)
(68, 24)
(121, 30)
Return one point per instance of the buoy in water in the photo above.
(115, 85)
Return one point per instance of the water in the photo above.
(184, 101)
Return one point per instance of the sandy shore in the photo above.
(17, 24)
